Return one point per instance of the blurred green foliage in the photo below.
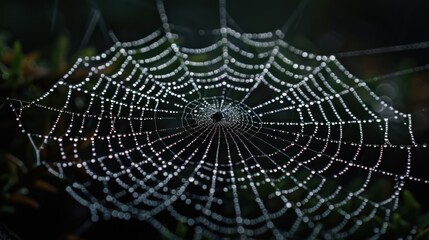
(17, 182)
(26, 76)
(19, 75)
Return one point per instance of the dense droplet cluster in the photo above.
(248, 137)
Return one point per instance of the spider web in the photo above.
(248, 137)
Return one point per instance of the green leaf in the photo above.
(424, 221)
(15, 69)
(15, 163)
(409, 200)
(86, 52)
(59, 55)
(6, 181)
(423, 235)
(181, 229)
(411, 208)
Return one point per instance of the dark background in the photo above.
(58, 31)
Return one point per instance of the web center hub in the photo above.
(217, 116)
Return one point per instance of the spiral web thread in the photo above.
(248, 137)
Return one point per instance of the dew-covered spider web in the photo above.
(247, 137)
